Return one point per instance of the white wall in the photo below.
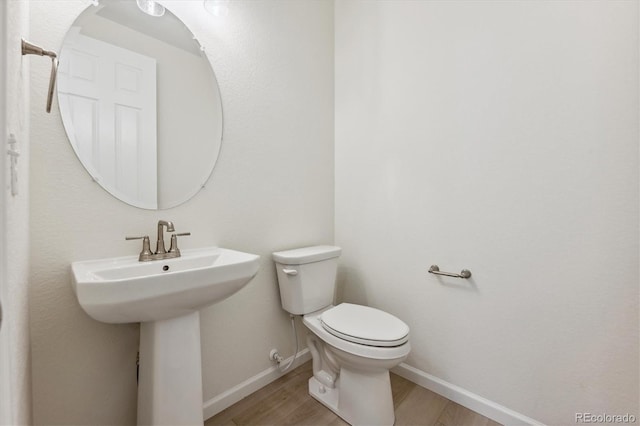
(5, 386)
(497, 136)
(501, 137)
(272, 189)
(14, 335)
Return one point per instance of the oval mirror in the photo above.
(140, 103)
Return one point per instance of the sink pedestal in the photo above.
(170, 380)
(165, 297)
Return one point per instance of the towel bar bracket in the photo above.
(32, 49)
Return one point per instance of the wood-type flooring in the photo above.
(286, 401)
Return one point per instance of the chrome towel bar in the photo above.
(32, 49)
(434, 269)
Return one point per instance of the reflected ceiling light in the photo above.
(151, 7)
(217, 7)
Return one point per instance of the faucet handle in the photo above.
(174, 242)
(146, 253)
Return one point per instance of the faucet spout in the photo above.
(166, 223)
(160, 243)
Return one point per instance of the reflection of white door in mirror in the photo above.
(110, 95)
(187, 132)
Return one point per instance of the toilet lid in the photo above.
(365, 325)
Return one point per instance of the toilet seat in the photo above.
(365, 325)
(313, 322)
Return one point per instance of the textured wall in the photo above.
(15, 327)
(500, 137)
(272, 189)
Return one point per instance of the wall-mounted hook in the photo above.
(32, 49)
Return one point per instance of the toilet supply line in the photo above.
(274, 355)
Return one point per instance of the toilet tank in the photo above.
(307, 277)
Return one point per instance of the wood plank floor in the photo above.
(286, 401)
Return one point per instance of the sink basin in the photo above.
(165, 296)
(122, 289)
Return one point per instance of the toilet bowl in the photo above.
(353, 347)
(352, 379)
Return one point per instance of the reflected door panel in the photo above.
(110, 95)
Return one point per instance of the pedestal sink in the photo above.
(165, 296)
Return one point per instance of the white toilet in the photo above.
(352, 346)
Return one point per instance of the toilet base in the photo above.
(365, 398)
(326, 396)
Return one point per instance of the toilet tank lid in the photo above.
(304, 255)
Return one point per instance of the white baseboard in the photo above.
(490, 409)
(229, 397)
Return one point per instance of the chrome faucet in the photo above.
(160, 243)
(161, 253)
